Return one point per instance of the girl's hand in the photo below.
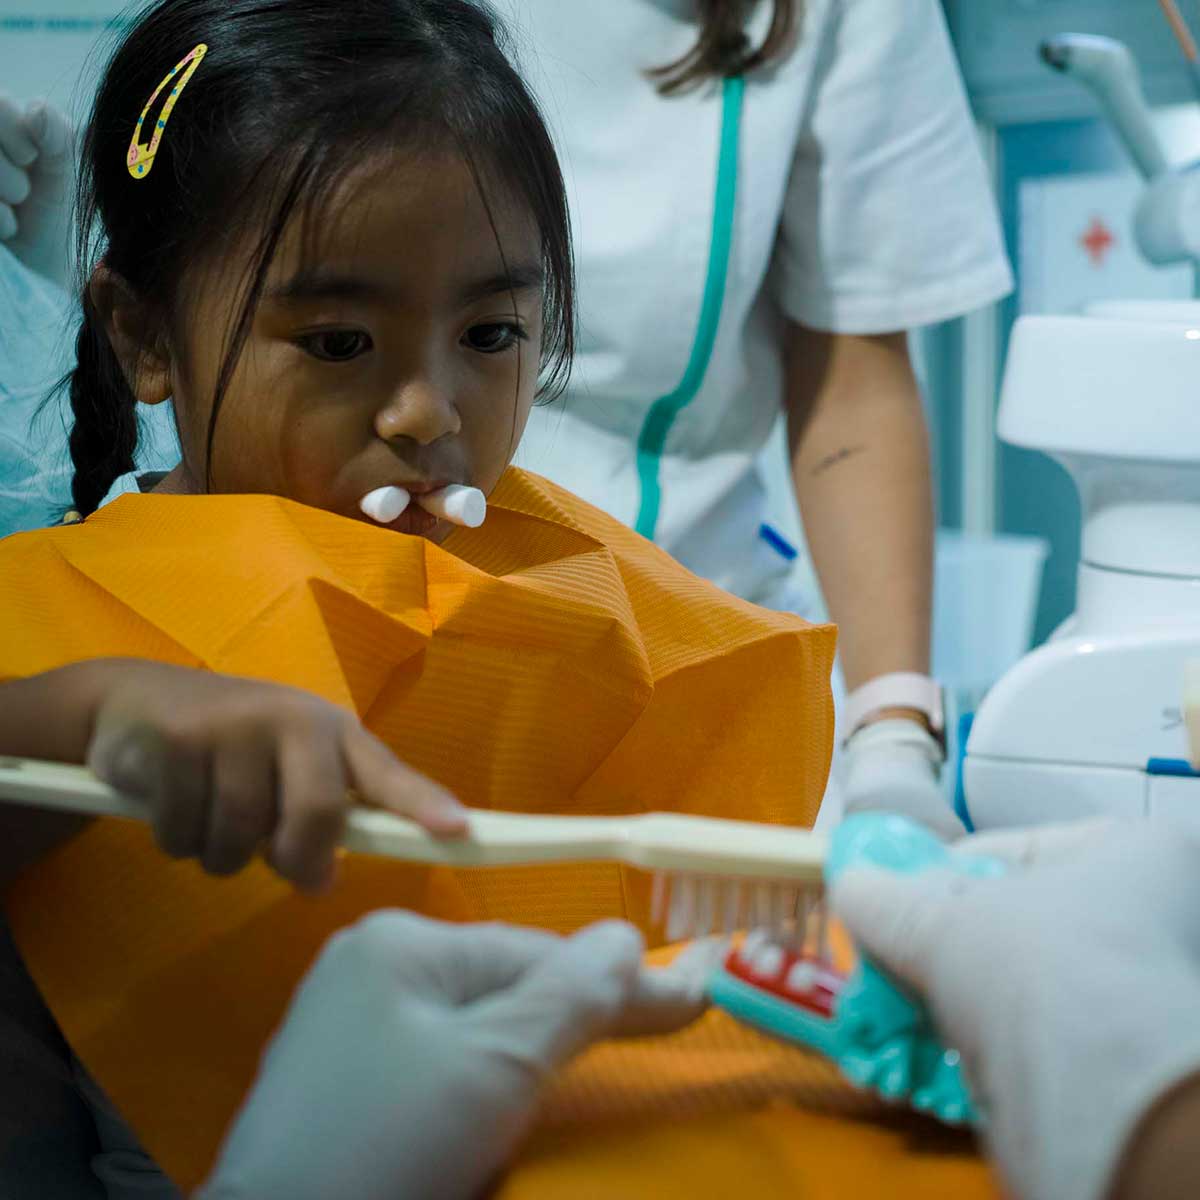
(232, 765)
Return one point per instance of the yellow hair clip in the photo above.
(141, 154)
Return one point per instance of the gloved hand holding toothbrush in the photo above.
(414, 1054)
(37, 170)
(1071, 989)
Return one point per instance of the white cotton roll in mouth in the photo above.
(385, 504)
(457, 504)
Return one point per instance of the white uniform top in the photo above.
(863, 206)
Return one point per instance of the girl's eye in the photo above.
(337, 345)
(494, 338)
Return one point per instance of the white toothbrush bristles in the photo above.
(761, 917)
(682, 913)
(694, 906)
(704, 907)
(385, 504)
(733, 904)
(822, 934)
(457, 504)
(658, 898)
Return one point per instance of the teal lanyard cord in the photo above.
(663, 412)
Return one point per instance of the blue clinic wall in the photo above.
(53, 48)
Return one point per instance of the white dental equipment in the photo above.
(1092, 722)
(1110, 71)
(1166, 223)
(454, 503)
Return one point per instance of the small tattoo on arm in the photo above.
(832, 460)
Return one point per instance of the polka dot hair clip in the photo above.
(141, 154)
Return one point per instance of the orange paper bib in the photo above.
(551, 661)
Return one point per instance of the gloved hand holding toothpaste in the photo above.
(1071, 989)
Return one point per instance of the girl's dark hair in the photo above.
(291, 97)
(724, 48)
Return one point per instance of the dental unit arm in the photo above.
(1167, 219)
(1108, 69)
(1092, 722)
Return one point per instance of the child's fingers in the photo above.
(140, 761)
(8, 223)
(312, 810)
(181, 800)
(244, 808)
(383, 780)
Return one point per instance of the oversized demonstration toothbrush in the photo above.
(709, 876)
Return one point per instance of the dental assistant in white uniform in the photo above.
(754, 244)
(798, 221)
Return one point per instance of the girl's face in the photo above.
(402, 351)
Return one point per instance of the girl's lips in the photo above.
(416, 521)
(423, 489)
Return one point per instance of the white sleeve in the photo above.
(889, 220)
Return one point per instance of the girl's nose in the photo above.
(422, 411)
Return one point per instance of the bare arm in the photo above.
(860, 463)
(47, 716)
(50, 715)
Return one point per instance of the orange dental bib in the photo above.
(551, 661)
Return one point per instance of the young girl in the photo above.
(344, 267)
(343, 256)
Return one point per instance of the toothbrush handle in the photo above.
(495, 838)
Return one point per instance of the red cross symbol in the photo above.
(1097, 241)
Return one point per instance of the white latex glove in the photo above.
(1071, 988)
(37, 169)
(413, 1054)
(895, 766)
